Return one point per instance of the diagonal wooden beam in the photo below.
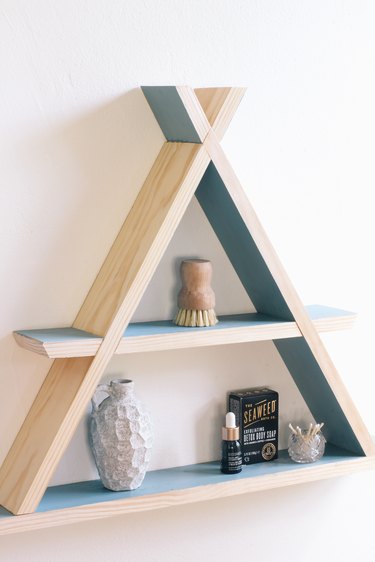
(142, 240)
(306, 358)
(188, 115)
(107, 310)
(219, 106)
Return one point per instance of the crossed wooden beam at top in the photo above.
(191, 161)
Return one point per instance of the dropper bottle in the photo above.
(231, 454)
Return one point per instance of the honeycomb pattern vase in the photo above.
(120, 435)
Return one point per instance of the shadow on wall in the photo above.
(78, 182)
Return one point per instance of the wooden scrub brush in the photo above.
(196, 299)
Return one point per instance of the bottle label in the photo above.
(234, 461)
(231, 461)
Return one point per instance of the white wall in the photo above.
(78, 139)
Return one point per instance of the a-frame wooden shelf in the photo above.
(191, 163)
(163, 335)
(85, 501)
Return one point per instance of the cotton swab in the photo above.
(309, 433)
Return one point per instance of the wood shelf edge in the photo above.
(194, 338)
(102, 510)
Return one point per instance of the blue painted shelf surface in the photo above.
(164, 334)
(180, 478)
(316, 312)
(173, 486)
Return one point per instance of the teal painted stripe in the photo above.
(180, 478)
(317, 393)
(171, 114)
(264, 293)
(239, 245)
(64, 335)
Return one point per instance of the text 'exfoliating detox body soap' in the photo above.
(257, 415)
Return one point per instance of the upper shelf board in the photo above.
(164, 335)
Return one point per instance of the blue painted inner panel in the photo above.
(239, 245)
(317, 393)
(171, 114)
(159, 481)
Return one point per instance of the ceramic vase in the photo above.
(120, 435)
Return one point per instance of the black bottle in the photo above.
(231, 454)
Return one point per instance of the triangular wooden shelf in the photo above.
(191, 162)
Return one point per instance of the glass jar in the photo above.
(304, 448)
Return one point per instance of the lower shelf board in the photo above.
(83, 501)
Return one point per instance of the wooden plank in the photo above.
(59, 342)
(164, 335)
(284, 302)
(329, 319)
(163, 199)
(107, 310)
(187, 115)
(219, 105)
(194, 110)
(176, 110)
(115, 293)
(85, 501)
(244, 328)
(40, 438)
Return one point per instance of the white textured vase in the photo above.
(120, 434)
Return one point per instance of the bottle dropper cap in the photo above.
(230, 432)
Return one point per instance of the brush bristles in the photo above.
(196, 318)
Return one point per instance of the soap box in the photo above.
(257, 413)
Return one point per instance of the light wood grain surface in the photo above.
(309, 473)
(165, 195)
(195, 111)
(107, 311)
(220, 105)
(26, 470)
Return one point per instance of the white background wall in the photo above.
(77, 140)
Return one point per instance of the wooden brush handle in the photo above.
(196, 292)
